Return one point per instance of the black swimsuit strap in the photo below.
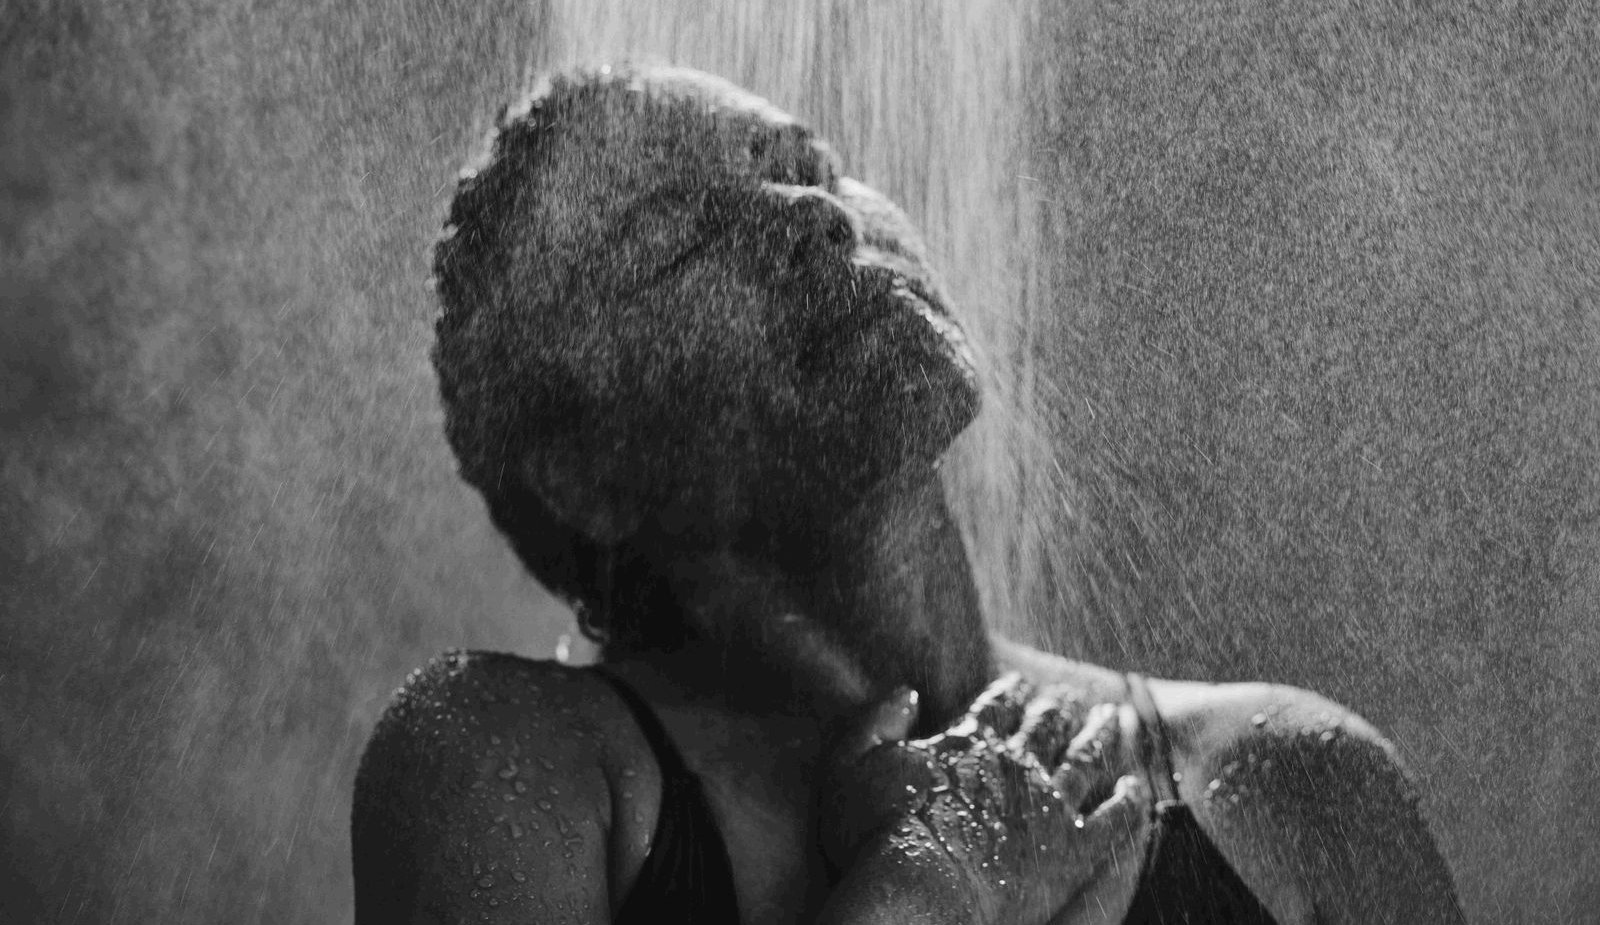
(687, 876)
(1155, 748)
(667, 755)
(1185, 878)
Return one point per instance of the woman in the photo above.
(703, 382)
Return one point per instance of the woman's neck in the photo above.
(899, 584)
(882, 598)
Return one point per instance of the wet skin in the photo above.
(504, 789)
(500, 789)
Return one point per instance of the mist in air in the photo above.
(1291, 341)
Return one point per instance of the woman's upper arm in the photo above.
(482, 797)
(1306, 798)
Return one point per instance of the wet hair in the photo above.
(532, 239)
(571, 354)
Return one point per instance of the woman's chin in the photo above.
(926, 393)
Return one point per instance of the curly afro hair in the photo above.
(640, 283)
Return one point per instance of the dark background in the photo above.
(1289, 311)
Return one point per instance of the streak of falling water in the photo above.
(924, 101)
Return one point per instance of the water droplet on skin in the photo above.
(519, 876)
(486, 882)
(546, 805)
(1259, 720)
(507, 772)
(520, 787)
(548, 766)
(516, 830)
(494, 740)
(1329, 735)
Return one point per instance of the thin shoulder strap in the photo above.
(1155, 747)
(667, 755)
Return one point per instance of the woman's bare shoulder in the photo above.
(489, 788)
(1306, 798)
(1308, 801)
(461, 693)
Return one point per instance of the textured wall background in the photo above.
(1304, 294)
(228, 525)
(1322, 328)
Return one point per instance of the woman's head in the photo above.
(667, 315)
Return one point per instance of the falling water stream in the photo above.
(926, 102)
(1288, 325)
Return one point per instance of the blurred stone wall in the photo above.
(228, 523)
(1321, 323)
